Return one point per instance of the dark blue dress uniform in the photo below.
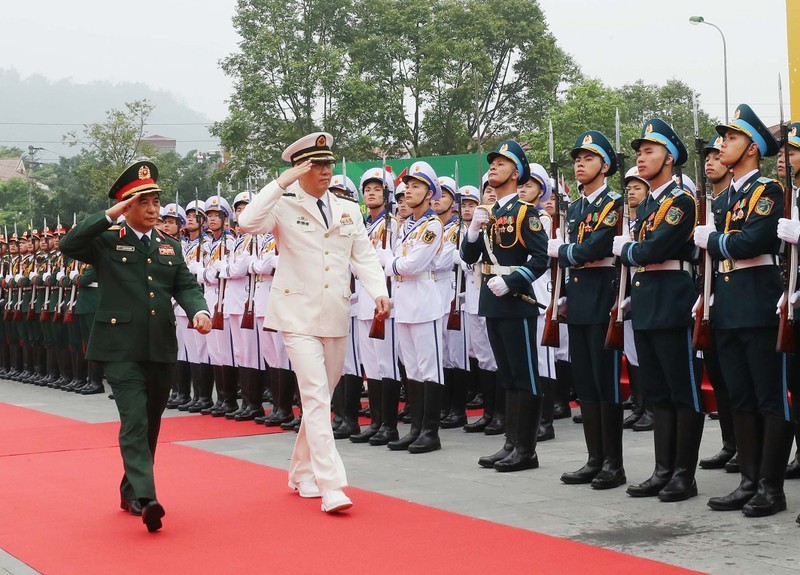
(746, 289)
(662, 295)
(591, 292)
(514, 246)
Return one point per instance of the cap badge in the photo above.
(504, 148)
(648, 129)
(417, 168)
(793, 132)
(718, 142)
(321, 141)
(737, 113)
(144, 173)
(587, 139)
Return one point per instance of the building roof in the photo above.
(11, 168)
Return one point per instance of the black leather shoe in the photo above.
(546, 432)
(151, 515)
(793, 469)
(250, 414)
(291, 424)
(92, 389)
(488, 461)
(719, 460)
(384, 436)
(735, 500)
(678, 489)
(200, 405)
(561, 410)
(645, 422)
(733, 465)
(585, 474)
(517, 461)
(609, 479)
(131, 506)
(628, 422)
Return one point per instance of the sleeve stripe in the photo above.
(629, 254)
(569, 255)
(723, 246)
(526, 273)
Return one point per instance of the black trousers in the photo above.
(513, 342)
(595, 369)
(668, 367)
(756, 374)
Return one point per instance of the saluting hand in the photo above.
(291, 175)
(121, 208)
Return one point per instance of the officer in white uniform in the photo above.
(320, 237)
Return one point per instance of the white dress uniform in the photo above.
(542, 290)
(246, 351)
(271, 342)
(310, 301)
(220, 343)
(196, 343)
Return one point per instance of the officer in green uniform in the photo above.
(662, 295)
(743, 316)
(509, 240)
(139, 272)
(592, 224)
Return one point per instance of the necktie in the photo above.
(146, 241)
(321, 206)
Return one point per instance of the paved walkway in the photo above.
(686, 534)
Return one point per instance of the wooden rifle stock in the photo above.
(615, 334)
(378, 328)
(454, 317)
(69, 315)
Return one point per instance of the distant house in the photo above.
(11, 168)
(161, 143)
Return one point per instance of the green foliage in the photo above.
(10, 152)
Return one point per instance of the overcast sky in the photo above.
(176, 45)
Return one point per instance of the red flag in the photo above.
(399, 178)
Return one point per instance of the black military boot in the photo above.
(512, 414)
(447, 391)
(53, 372)
(390, 401)
(13, 356)
(726, 427)
(206, 388)
(273, 382)
(428, 439)
(375, 397)
(337, 404)
(645, 422)
(283, 393)
(95, 384)
(352, 384)
(750, 431)
(635, 399)
(612, 473)
(593, 435)
(183, 377)
(219, 384)
(80, 368)
(415, 393)
(255, 395)
(546, 430)
(664, 437)
(244, 383)
(527, 421)
(457, 416)
(230, 389)
(770, 498)
(563, 386)
(682, 485)
(194, 377)
(497, 425)
(488, 390)
(474, 390)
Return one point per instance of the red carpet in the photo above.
(60, 516)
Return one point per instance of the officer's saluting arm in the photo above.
(674, 225)
(535, 239)
(597, 244)
(757, 235)
(78, 243)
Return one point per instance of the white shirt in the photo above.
(657, 192)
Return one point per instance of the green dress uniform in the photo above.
(746, 290)
(513, 246)
(134, 328)
(662, 295)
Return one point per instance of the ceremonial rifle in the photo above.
(786, 338)
(218, 321)
(378, 328)
(44, 315)
(550, 334)
(31, 315)
(701, 334)
(18, 307)
(9, 270)
(248, 318)
(58, 317)
(69, 315)
(454, 318)
(615, 334)
(198, 255)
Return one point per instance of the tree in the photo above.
(10, 152)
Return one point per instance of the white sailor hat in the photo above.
(539, 174)
(242, 197)
(688, 184)
(448, 184)
(196, 205)
(377, 175)
(484, 181)
(348, 187)
(217, 203)
(161, 213)
(174, 211)
(315, 147)
(469, 193)
(633, 174)
(423, 172)
(400, 190)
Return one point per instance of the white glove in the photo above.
(626, 304)
(353, 299)
(793, 299)
(462, 297)
(479, 217)
(619, 243)
(59, 276)
(498, 286)
(384, 256)
(73, 274)
(562, 305)
(45, 275)
(554, 244)
(701, 234)
(789, 230)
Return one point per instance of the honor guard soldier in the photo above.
(14, 340)
(418, 309)
(509, 240)
(139, 272)
(747, 249)
(662, 293)
(591, 292)
(27, 336)
(719, 176)
(790, 228)
(378, 356)
(5, 289)
(321, 237)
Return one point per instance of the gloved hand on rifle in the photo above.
(384, 256)
(619, 243)
(554, 245)
(789, 229)
(479, 218)
(793, 299)
(697, 305)
(701, 235)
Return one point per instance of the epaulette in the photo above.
(678, 191)
(114, 228)
(614, 195)
(347, 198)
(526, 203)
(289, 195)
(766, 180)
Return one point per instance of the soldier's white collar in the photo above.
(595, 194)
(657, 192)
(737, 184)
(505, 199)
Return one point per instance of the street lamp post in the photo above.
(700, 20)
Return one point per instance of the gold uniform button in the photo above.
(169, 262)
(727, 278)
(152, 312)
(637, 284)
(326, 286)
(326, 235)
(327, 268)
(124, 260)
(149, 261)
(113, 321)
(286, 291)
(575, 280)
(326, 252)
(152, 294)
(149, 278)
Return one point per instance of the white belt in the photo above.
(415, 277)
(667, 266)
(93, 284)
(442, 276)
(497, 269)
(727, 266)
(604, 263)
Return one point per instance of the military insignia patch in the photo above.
(321, 141)
(144, 173)
(125, 248)
(346, 220)
(674, 216)
(454, 239)
(611, 219)
(428, 237)
(764, 206)
(166, 250)
(534, 224)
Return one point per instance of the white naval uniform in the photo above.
(378, 356)
(271, 342)
(477, 336)
(196, 343)
(455, 349)
(246, 351)
(542, 287)
(310, 305)
(220, 343)
(417, 301)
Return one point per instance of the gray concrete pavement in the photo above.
(688, 534)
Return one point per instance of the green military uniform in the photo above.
(134, 327)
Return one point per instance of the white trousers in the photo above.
(546, 356)
(272, 348)
(181, 327)
(479, 346)
(220, 345)
(352, 361)
(246, 345)
(455, 344)
(421, 350)
(378, 356)
(196, 345)
(318, 363)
